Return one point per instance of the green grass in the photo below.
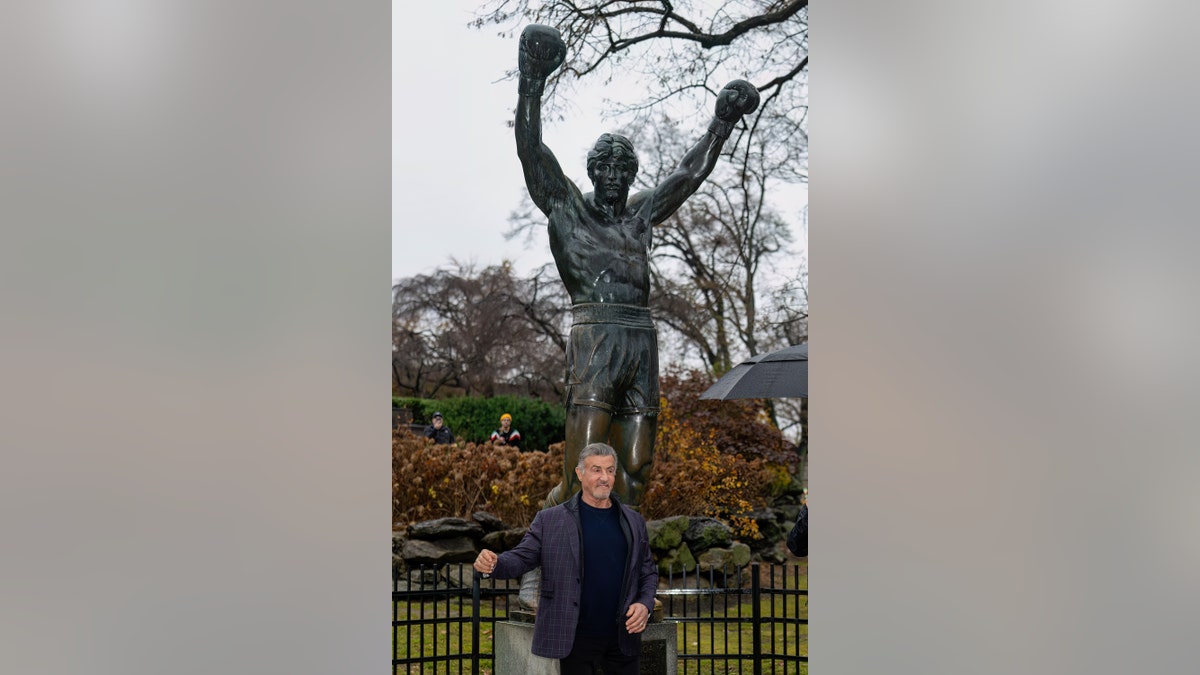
(442, 638)
(692, 638)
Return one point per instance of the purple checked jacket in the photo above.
(555, 542)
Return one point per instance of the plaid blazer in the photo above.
(555, 542)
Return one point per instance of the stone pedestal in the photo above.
(514, 641)
(513, 645)
(659, 649)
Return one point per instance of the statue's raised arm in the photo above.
(738, 98)
(541, 51)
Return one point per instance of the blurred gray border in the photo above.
(195, 257)
(195, 269)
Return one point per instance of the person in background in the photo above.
(506, 435)
(440, 433)
(797, 539)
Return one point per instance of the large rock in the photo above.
(770, 529)
(774, 554)
(398, 540)
(666, 533)
(489, 522)
(724, 559)
(434, 578)
(445, 528)
(503, 540)
(676, 561)
(703, 533)
(788, 513)
(723, 567)
(439, 552)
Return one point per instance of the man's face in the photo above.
(437, 423)
(597, 477)
(610, 179)
(505, 424)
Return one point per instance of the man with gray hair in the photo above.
(598, 577)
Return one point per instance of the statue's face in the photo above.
(611, 179)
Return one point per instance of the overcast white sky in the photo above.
(455, 173)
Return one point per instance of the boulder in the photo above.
(489, 522)
(398, 540)
(434, 578)
(788, 512)
(703, 533)
(666, 533)
(445, 528)
(426, 577)
(724, 559)
(775, 554)
(770, 529)
(503, 540)
(676, 561)
(439, 552)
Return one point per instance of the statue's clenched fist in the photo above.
(736, 99)
(541, 51)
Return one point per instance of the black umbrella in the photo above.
(779, 374)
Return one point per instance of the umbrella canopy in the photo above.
(779, 374)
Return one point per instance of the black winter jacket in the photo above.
(440, 436)
(797, 539)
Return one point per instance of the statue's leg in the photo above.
(586, 424)
(635, 422)
(632, 437)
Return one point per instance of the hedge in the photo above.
(472, 419)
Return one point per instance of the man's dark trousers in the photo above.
(589, 650)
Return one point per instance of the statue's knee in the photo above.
(637, 460)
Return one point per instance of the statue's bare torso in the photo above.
(601, 257)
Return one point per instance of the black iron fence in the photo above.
(747, 620)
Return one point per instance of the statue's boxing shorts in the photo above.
(612, 359)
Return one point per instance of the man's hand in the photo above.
(736, 99)
(485, 562)
(541, 51)
(639, 616)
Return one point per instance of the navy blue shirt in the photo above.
(604, 554)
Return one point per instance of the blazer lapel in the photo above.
(575, 537)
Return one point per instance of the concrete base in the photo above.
(513, 646)
(659, 649)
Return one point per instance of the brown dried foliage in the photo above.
(437, 481)
(691, 476)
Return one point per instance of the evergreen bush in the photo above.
(472, 419)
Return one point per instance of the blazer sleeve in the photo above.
(524, 556)
(647, 571)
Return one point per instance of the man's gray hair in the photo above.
(596, 450)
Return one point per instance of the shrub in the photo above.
(717, 458)
(472, 419)
(741, 426)
(435, 481)
(692, 477)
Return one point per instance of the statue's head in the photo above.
(611, 166)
